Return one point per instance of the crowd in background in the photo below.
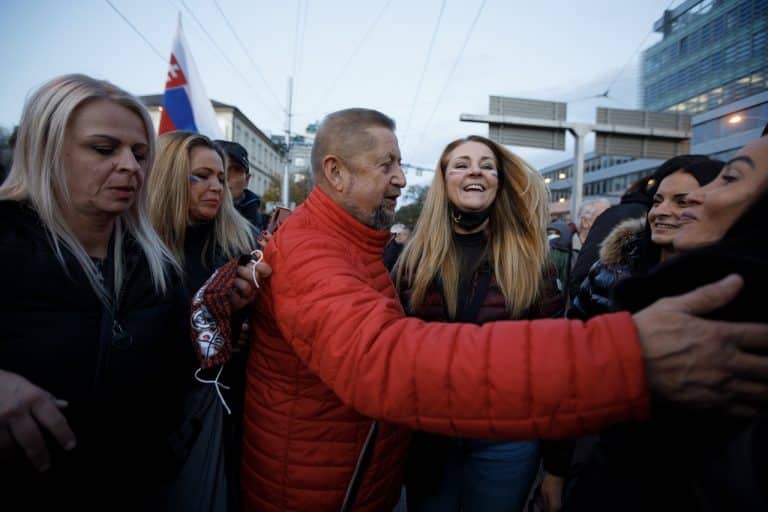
(164, 350)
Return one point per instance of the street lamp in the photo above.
(738, 118)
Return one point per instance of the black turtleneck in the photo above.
(471, 248)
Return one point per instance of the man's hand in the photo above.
(704, 363)
(243, 288)
(24, 410)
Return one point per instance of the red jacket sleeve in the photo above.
(509, 379)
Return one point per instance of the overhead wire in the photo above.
(229, 61)
(453, 70)
(424, 70)
(298, 40)
(248, 54)
(607, 92)
(356, 49)
(154, 49)
(298, 47)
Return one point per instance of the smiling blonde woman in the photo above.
(478, 254)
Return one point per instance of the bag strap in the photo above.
(366, 452)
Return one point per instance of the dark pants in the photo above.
(484, 476)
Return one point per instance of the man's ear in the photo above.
(333, 172)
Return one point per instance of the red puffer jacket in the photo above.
(332, 349)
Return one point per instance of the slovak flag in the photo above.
(185, 104)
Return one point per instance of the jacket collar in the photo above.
(333, 219)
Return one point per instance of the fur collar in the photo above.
(619, 246)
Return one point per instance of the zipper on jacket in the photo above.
(120, 337)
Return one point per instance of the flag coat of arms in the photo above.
(185, 104)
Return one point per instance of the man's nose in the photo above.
(398, 178)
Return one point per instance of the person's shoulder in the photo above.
(249, 197)
(250, 201)
(617, 247)
(19, 219)
(249, 207)
(11, 208)
(302, 232)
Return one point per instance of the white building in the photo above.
(265, 157)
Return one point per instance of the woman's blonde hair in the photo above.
(169, 187)
(38, 175)
(517, 238)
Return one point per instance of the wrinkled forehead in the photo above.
(371, 144)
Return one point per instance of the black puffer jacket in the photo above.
(620, 257)
(633, 205)
(124, 393)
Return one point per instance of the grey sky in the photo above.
(556, 49)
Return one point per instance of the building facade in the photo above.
(266, 158)
(604, 176)
(713, 52)
(711, 63)
(722, 131)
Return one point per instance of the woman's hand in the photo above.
(244, 289)
(266, 236)
(24, 410)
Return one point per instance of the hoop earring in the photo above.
(456, 218)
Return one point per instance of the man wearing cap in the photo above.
(238, 174)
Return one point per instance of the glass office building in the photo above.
(711, 63)
(713, 52)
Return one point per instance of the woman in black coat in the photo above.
(683, 459)
(94, 353)
(636, 245)
(191, 207)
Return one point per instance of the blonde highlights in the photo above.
(38, 175)
(517, 241)
(169, 187)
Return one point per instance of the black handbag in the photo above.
(201, 485)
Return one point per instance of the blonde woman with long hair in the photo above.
(478, 254)
(94, 345)
(191, 207)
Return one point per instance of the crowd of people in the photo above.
(470, 360)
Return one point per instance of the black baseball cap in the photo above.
(235, 152)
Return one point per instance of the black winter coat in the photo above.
(621, 255)
(249, 207)
(124, 393)
(632, 206)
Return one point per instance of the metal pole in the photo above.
(579, 132)
(286, 169)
